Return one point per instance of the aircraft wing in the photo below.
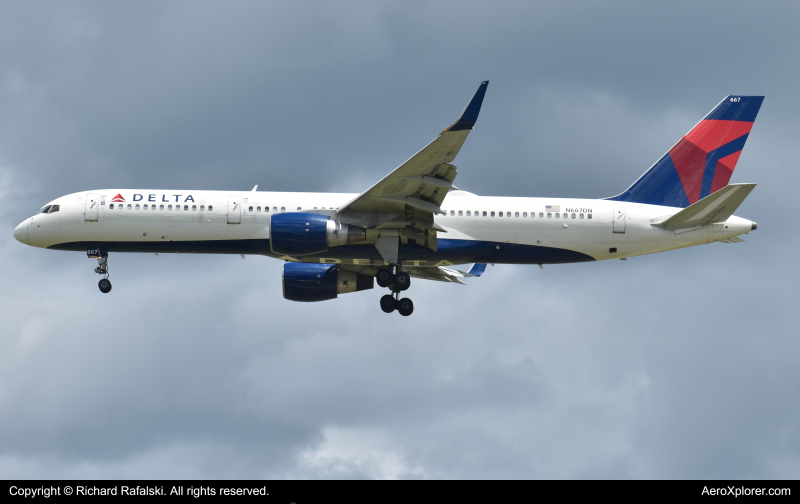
(413, 192)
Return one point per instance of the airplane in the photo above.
(415, 223)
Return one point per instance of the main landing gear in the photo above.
(397, 282)
(102, 269)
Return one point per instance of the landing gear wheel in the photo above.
(405, 306)
(384, 277)
(105, 286)
(388, 303)
(402, 281)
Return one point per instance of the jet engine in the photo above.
(301, 233)
(320, 282)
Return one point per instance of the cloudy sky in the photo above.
(676, 365)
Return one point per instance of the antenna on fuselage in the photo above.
(254, 188)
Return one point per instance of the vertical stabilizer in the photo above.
(703, 161)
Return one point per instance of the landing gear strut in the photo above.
(102, 269)
(397, 282)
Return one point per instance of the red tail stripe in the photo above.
(711, 134)
(690, 163)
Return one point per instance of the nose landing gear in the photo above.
(104, 285)
(102, 269)
(396, 282)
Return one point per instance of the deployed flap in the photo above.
(435, 273)
(417, 188)
(443, 274)
(716, 207)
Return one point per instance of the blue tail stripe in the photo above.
(661, 185)
(745, 109)
(711, 162)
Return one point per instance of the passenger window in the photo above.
(550, 215)
(202, 207)
(299, 208)
(258, 209)
(452, 213)
(492, 214)
(250, 209)
(541, 215)
(581, 216)
(484, 213)
(525, 214)
(137, 206)
(161, 207)
(152, 207)
(558, 216)
(469, 214)
(573, 216)
(516, 214)
(45, 209)
(283, 209)
(145, 207)
(186, 207)
(111, 206)
(266, 209)
(53, 209)
(210, 207)
(194, 208)
(274, 209)
(169, 207)
(588, 216)
(460, 213)
(566, 216)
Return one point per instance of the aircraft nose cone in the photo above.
(21, 232)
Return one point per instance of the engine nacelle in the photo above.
(301, 233)
(320, 282)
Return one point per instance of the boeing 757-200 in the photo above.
(415, 223)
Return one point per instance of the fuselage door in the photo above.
(92, 209)
(619, 217)
(235, 210)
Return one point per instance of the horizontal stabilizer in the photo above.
(716, 207)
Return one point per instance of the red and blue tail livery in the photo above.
(703, 161)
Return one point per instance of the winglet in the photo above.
(470, 114)
(477, 269)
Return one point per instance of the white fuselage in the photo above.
(479, 228)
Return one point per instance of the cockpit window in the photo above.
(45, 209)
(54, 208)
